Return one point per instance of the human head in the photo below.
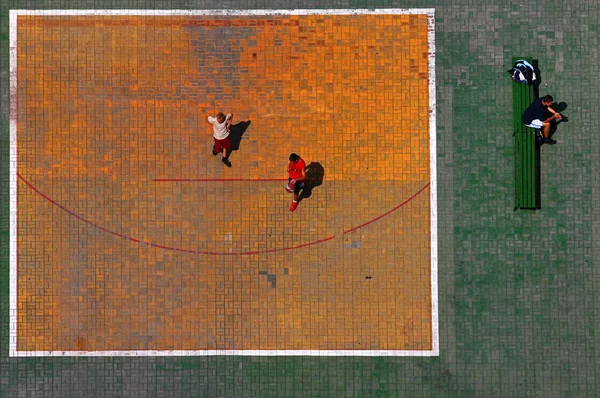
(547, 100)
(220, 117)
(294, 157)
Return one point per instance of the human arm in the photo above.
(229, 120)
(555, 115)
(301, 178)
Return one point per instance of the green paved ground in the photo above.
(519, 301)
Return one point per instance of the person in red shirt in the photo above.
(297, 178)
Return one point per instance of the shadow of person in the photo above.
(236, 131)
(314, 178)
(557, 107)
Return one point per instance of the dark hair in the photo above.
(220, 117)
(548, 98)
(294, 157)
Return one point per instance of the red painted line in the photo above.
(291, 247)
(208, 252)
(388, 212)
(69, 211)
(161, 246)
(218, 179)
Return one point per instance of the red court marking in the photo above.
(217, 179)
(216, 253)
(387, 212)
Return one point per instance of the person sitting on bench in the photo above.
(535, 117)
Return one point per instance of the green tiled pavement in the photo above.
(519, 291)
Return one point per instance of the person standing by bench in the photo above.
(535, 117)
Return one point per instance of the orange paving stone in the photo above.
(108, 105)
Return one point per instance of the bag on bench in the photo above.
(523, 72)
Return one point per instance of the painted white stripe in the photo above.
(185, 353)
(13, 184)
(376, 11)
(433, 187)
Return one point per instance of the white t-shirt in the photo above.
(219, 129)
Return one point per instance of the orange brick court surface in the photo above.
(132, 236)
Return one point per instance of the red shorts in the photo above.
(224, 143)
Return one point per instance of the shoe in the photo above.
(293, 206)
(214, 151)
(549, 141)
(226, 162)
(287, 188)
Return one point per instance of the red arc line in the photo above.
(91, 223)
(218, 179)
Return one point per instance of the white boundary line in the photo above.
(206, 353)
(433, 188)
(228, 13)
(139, 353)
(12, 181)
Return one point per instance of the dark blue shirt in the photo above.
(537, 110)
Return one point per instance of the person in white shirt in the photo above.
(221, 125)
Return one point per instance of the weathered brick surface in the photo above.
(112, 110)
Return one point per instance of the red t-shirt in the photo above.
(295, 169)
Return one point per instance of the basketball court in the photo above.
(128, 237)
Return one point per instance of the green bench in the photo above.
(527, 173)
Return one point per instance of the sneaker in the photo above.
(287, 188)
(214, 151)
(293, 206)
(226, 162)
(549, 141)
